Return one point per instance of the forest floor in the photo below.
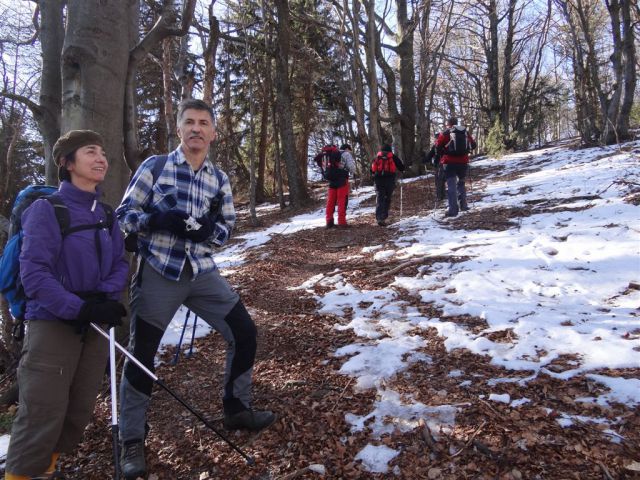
(297, 375)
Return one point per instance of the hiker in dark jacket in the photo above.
(178, 229)
(77, 279)
(456, 165)
(384, 168)
(433, 158)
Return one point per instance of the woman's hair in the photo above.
(63, 172)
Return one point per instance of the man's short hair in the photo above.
(452, 121)
(193, 104)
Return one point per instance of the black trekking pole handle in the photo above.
(250, 460)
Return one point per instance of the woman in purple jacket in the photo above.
(70, 281)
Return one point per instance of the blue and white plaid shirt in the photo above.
(178, 187)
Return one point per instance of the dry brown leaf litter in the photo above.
(296, 376)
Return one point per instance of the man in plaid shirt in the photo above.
(179, 216)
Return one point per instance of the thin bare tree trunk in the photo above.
(372, 77)
(630, 70)
(298, 194)
(209, 56)
(167, 84)
(356, 79)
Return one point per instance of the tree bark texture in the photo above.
(94, 66)
(48, 115)
(372, 77)
(298, 194)
(406, 29)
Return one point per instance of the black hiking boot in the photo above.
(132, 463)
(249, 420)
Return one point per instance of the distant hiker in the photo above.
(433, 158)
(180, 219)
(455, 144)
(384, 169)
(336, 165)
(70, 278)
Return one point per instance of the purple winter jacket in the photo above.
(52, 269)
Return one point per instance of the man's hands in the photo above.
(202, 233)
(172, 221)
(175, 221)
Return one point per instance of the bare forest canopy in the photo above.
(287, 76)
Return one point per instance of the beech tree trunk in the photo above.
(95, 57)
(47, 115)
(356, 79)
(406, 28)
(372, 77)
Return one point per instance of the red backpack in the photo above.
(383, 164)
(330, 162)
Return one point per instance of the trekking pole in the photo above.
(470, 184)
(426, 177)
(184, 327)
(436, 182)
(401, 195)
(250, 460)
(193, 336)
(114, 403)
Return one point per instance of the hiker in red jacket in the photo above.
(455, 144)
(336, 166)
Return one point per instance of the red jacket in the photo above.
(443, 140)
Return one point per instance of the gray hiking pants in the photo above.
(59, 376)
(456, 191)
(154, 302)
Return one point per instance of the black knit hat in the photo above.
(386, 148)
(345, 146)
(73, 140)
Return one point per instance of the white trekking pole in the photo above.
(114, 403)
(250, 460)
(401, 195)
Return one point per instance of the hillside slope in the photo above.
(504, 343)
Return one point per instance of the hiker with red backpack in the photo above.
(336, 165)
(383, 169)
(73, 272)
(454, 144)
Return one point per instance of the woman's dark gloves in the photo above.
(172, 221)
(107, 312)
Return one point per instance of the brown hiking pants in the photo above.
(59, 376)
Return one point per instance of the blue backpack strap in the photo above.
(159, 161)
(218, 176)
